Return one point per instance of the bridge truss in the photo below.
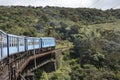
(23, 65)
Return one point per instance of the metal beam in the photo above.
(32, 58)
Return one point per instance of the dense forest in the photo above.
(92, 35)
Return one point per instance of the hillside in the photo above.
(27, 20)
(92, 35)
(95, 54)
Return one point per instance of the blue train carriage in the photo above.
(3, 45)
(32, 43)
(16, 44)
(48, 43)
(37, 43)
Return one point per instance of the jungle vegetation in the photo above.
(92, 35)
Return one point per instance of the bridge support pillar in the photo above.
(55, 65)
(57, 59)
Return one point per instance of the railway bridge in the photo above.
(23, 65)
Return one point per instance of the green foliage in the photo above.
(63, 71)
(97, 49)
(59, 76)
(41, 75)
(95, 35)
(26, 20)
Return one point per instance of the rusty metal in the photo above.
(43, 63)
(31, 58)
(23, 60)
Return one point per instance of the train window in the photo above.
(30, 42)
(0, 33)
(27, 42)
(21, 42)
(0, 38)
(33, 41)
(36, 42)
(15, 41)
(4, 42)
(10, 41)
(42, 42)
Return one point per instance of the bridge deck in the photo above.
(5, 72)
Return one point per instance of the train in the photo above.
(12, 44)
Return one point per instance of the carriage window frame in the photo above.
(15, 41)
(21, 42)
(10, 42)
(36, 41)
(4, 42)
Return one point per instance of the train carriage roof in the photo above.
(32, 37)
(15, 35)
(2, 32)
(47, 37)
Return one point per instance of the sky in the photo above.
(100, 4)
